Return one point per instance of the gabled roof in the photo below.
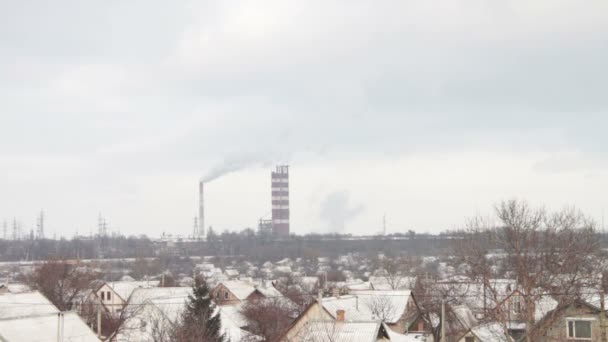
(393, 302)
(333, 331)
(124, 289)
(491, 332)
(43, 328)
(15, 305)
(240, 289)
(140, 295)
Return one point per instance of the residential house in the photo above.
(340, 331)
(115, 295)
(238, 291)
(30, 316)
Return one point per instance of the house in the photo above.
(160, 309)
(579, 321)
(30, 316)
(390, 306)
(488, 332)
(392, 282)
(340, 331)
(387, 307)
(231, 274)
(115, 295)
(15, 305)
(237, 291)
(46, 328)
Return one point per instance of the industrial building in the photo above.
(280, 201)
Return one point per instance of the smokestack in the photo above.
(201, 209)
(280, 201)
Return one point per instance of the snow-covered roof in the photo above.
(409, 337)
(140, 295)
(282, 269)
(392, 282)
(232, 273)
(43, 328)
(332, 331)
(375, 306)
(359, 286)
(232, 323)
(18, 287)
(14, 305)
(494, 332)
(125, 288)
(465, 316)
(241, 289)
(392, 303)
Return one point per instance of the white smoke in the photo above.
(234, 164)
(337, 210)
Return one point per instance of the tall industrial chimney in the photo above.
(280, 201)
(201, 210)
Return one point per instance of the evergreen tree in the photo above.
(200, 320)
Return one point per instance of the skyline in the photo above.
(426, 112)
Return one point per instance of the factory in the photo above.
(278, 225)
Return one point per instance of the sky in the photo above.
(422, 112)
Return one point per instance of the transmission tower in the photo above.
(40, 226)
(15, 230)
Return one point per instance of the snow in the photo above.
(44, 329)
(360, 307)
(125, 288)
(25, 304)
(241, 289)
(140, 295)
(394, 302)
(491, 332)
(332, 331)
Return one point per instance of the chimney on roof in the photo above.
(340, 315)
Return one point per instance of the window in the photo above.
(103, 295)
(226, 295)
(579, 329)
(109, 295)
(516, 304)
(469, 339)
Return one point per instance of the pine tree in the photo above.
(200, 320)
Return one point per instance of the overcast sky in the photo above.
(426, 111)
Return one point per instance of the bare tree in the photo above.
(549, 253)
(381, 306)
(62, 282)
(269, 317)
(395, 272)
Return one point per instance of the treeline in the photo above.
(245, 243)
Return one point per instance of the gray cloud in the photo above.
(147, 88)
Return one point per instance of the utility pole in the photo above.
(384, 225)
(602, 311)
(443, 338)
(99, 320)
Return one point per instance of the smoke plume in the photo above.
(234, 164)
(337, 210)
